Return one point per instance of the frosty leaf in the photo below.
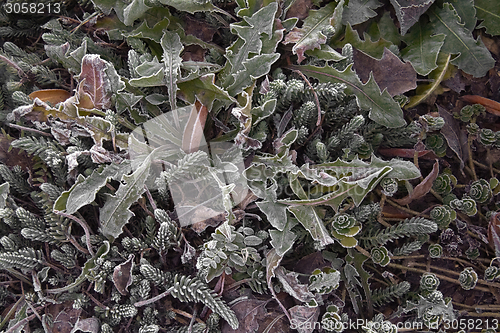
(465, 9)
(310, 220)
(192, 6)
(310, 36)
(456, 137)
(389, 72)
(305, 317)
(94, 81)
(292, 285)
(282, 241)
(359, 11)
(172, 48)
(373, 49)
(409, 11)
(421, 189)
(144, 31)
(325, 52)
(126, 13)
(254, 68)
(122, 275)
(423, 49)
(383, 109)
(473, 57)
(83, 192)
(488, 12)
(275, 213)
(4, 192)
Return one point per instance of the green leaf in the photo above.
(325, 52)
(383, 109)
(192, 6)
(409, 11)
(205, 90)
(84, 191)
(474, 58)
(423, 49)
(144, 31)
(282, 241)
(172, 48)
(424, 91)
(4, 192)
(310, 36)
(487, 11)
(309, 218)
(126, 13)
(465, 9)
(254, 68)
(116, 210)
(275, 213)
(373, 49)
(359, 11)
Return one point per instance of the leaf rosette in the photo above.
(466, 205)
(429, 282)
(331, 320)
(435, 251)
(468, 278)
(443, 215)
(380, 256)
(437, 143)
(444, 183)
(491, 273)
(389, 186)
(480, 191)
(346, 225)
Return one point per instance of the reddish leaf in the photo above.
(457, 139)
(94, 82)
(421, 189)
(494, 232)
(122, 275)
(193, 132)
(490, 105)
(299, 9)
(305, 318)
(292, 285)
(389, 72)
(407, 153)
(248, 312)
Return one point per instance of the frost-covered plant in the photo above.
(380, 256)
(443, 215)
(468, 278)
(435, 251)
(429, 282)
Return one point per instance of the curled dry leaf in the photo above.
(456, 138)
(122, 275)
(305, 317)
(421, 189)
(52, 96)
(94, 83)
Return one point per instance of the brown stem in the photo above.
(83, 224)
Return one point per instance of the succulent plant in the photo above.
(468, 278)
(389, 186)
(344, 228)
(331, 320)
(473, 129)
(435, 251)
(466, 205)
(429, 282)
(437, 143)
(444, 183)
(443, 215)
(470, 111)
(487, 137)
(480, 191)
(433, 123)
(380, 256)
(491, 273)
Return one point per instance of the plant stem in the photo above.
(154, 299)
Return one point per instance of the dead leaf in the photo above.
(389, 72)
(421, 189)
(491, 106)
(407, 153)
(193, 53)
(249, 313)
(199, 29)
(122, 275)
(299, 9)
(304, 317)
(309, 263)
(494, 232)
(456, 82)
(95, 83)
(193, 132)
(63, 318)
(52, 96)
(91, 325)
(293, 286)
(456, 138)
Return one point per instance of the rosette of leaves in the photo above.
(444, 183)
(487, 137)
(379, 325)
(491, 273)
(435, 251)
(468, 278)
(389, 186)
(472, 253)
(380, 256)
(324, 281)
(443, 215)
(344, 228)
(466, 205)
(430, 319)
(429, 282)
(432, 123)
(228, 249)
(469, 112)
(331, 320)
(437, 143)
(480, 191)
(472, 128)
(495, 186)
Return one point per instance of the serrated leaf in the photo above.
(127, 13)
(373, 49)
(422, 49)
(84, 191)
(383, 109)
(292, 285)
(144, 31)
(310, 220)
(275, 213)
(116, 210)
(359, 11)
(310, 36)
(325, 52)
(465, 9)
(409, 11)
(191, 6)
(205, 90)
(426, 90)
(254, 68)
(488, 12)
(282, 241)
(172, 48)
(473, 57)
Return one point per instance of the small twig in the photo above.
(83, 224)
(75, 243)
(485, 167)
(20, 71)
(154, 299)
(22, 128)
(187, 315)
(99, 304)
(482, 307)
(404, 209)
(150, 198)
(471, 158)
(318, 122)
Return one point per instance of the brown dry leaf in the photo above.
(456, 138)
(193, 132)
(94, 81)
(421, 189)
(389, 72)
(249, 313)
(63, 318)
(299, 9)
(292, 286)
(122, 275)
(490, 105)
(304, 317)
(494, 232)
(193, 53)
(52, 96)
